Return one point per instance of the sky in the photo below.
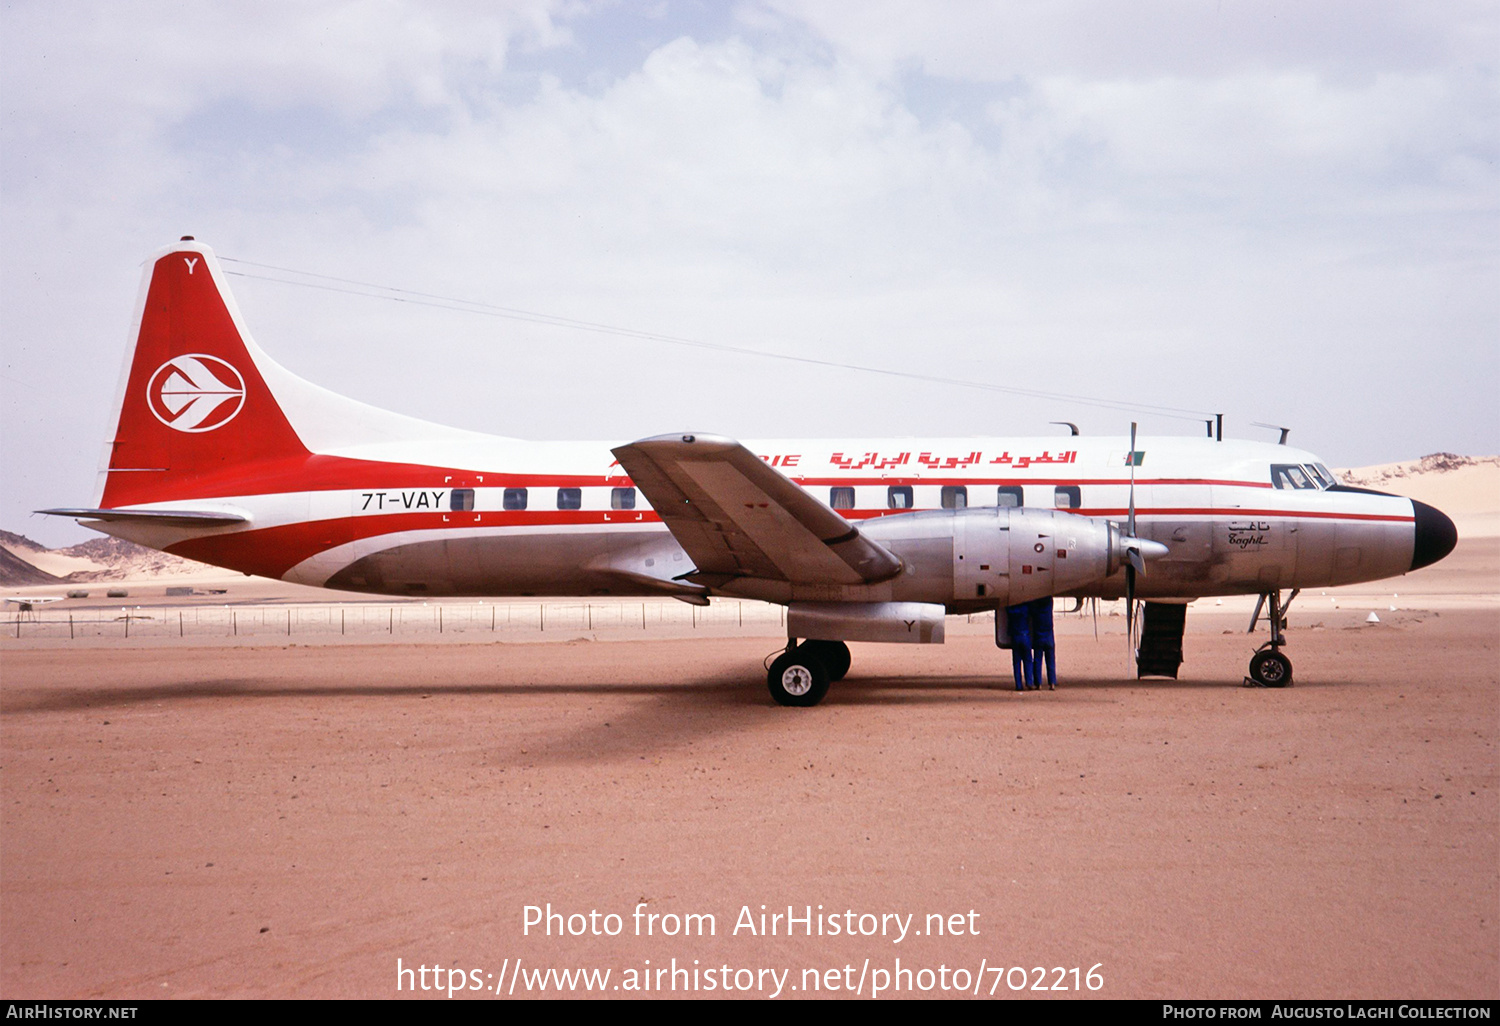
(1285, 212)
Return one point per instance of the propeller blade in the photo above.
(1137, 562)
(1131, 527)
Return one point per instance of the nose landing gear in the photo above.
(1269, 667)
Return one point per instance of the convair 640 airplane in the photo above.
(223, 456)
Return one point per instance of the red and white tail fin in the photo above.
(204, 412)
(194, 406)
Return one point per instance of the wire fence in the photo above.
(412, 619)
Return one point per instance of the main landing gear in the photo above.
(801, 674)
(1269, 667)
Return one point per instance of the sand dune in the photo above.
(1467, 488)
(105, 558)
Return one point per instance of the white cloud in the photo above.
(983, 41)
(166, 58)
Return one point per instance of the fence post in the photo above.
(590, 609)
(341, 621)
(234, 622)
(440, 619)
(179, 623)
(70, 626)
(392, 611)
(289, 623)
(541, 615)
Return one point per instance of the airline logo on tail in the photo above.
(196, 392)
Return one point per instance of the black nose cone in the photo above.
(1436, 535)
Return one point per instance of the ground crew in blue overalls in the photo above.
(1042, 645)
(1019, 621)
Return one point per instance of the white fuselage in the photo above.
(547, 518)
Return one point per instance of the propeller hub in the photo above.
(1147, 549)
(1128, 550)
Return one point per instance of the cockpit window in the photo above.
(1290, 475)
(1323, 474)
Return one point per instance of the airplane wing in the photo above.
(738, 517)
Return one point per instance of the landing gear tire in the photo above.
(798, 677)
(1271, 670)
(834, 655)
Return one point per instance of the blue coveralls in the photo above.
(1042, 643)
(1019, 618)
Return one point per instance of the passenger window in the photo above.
(841, 498)
(515, 498)
(570, 498)
(461, 499)
(1067, 497)
(622, 498)
(1008, 495)
(955, 497)
(899, 497)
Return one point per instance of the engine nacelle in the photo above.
(1023, 554)
(988, 556)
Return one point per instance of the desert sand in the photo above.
(1466, 488)
(208, 818)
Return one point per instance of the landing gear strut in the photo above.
(800, 676)
(1269, 667)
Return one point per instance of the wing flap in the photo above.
(738, 517)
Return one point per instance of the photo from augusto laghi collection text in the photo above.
(883, 973)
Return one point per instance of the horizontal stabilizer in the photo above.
(164, 517)
(737, 517)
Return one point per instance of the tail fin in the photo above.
(194, 406)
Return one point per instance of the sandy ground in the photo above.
(186, 819)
